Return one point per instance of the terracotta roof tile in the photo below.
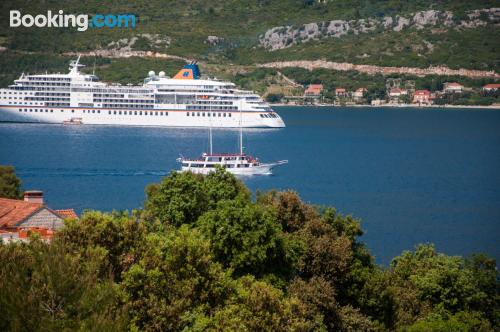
(67, 213)
(14, 211)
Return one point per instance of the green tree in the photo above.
(175, 279)
(119, 236)
(45, 287)
(459, 322)
(182, 197)
(10, 185)
(247, 238)
(274, 97)
(257, 306)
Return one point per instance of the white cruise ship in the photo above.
(186, 100)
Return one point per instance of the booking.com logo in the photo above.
(62, 20)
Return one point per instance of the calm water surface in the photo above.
(411, 176)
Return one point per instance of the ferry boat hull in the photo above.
(262, 169)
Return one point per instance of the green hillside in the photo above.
(237, 28)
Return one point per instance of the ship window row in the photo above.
(31, 88)
(126, 106)
(101, 95)
(46, 98)
(57, 104)
(218, 114)
(214, 101)
(33, 78)
(23, 103)
(211, 108)
(46, 93)
(36, 110)
(88, 111)
(109, 90)
(12, 93)
(190, 91)
(98, 100)
(45, 83)
(196, 165)
(42, 110)
(150, 113)
(268, 115)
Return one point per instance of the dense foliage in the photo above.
(237, 26)
(10, 185)
(203, 256)
(239, 23)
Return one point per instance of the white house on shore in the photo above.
(452, 87)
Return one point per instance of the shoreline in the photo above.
(492, 107)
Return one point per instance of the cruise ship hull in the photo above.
(150, 117)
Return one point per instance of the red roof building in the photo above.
(31, 213)
(422, 97)
(67, 213)
(314, 90)
(340, 92)
(491, 87)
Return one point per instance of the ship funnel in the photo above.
(190, 71)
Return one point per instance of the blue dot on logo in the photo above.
(185, 74)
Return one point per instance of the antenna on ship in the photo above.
(73, 65)
(241, 132)
(210, 129)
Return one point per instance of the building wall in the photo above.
(44, 219)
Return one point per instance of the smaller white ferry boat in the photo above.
(235, 163)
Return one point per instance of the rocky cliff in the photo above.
(286, 36)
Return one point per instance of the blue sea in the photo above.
(411, 176)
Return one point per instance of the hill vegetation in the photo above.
(203, 256)
(226, 37)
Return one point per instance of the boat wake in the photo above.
(78, 172)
